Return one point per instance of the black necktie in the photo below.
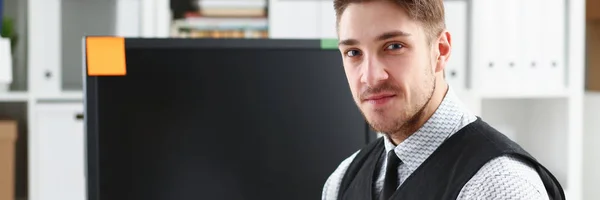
(390, 184)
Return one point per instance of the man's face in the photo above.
(389, 63)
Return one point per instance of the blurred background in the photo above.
(529, 67)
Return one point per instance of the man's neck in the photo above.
(420, 119)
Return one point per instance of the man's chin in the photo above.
(377, 111)
(382, 130)
(383, 126)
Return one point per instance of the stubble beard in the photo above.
(404, 128)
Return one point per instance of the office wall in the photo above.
(591, 145)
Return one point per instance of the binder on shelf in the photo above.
(553, 48)
(456, 23)
(509, 34)
(489, 52)
(531, 42)
(45, 53)
(521, 50)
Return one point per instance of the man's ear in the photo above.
(444, 44)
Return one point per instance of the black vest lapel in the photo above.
(446, 171)
(357, 183)
(443, 175)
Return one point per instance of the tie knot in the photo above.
(393, 159)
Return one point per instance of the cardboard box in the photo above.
(592, 74)
(592, 9)
(8, 137)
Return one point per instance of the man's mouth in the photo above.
(379, 99)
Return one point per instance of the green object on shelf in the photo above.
(329, 43)
(8, 31)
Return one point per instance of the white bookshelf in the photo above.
(47, 89)
(14, 96)
(539, 106)
(543, 115)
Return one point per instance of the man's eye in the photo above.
(394, 46)
(352, 53)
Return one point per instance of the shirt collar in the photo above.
(420, 145)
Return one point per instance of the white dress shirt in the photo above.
(501, 178)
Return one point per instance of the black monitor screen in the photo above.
(220, 119)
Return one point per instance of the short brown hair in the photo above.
(430, 13)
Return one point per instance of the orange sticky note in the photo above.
(106, 56)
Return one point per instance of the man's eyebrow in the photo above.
(348, 42)
(384, 36)
(392, 34)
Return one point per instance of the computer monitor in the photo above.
(233, 119)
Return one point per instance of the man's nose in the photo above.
(373, 71)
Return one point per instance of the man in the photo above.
(394, 53)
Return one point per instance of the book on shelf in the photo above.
(219, 27)
(232, 3)
(233, 12)
(232, 8)
(196, 33)
(224, 19)
(222, 23)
